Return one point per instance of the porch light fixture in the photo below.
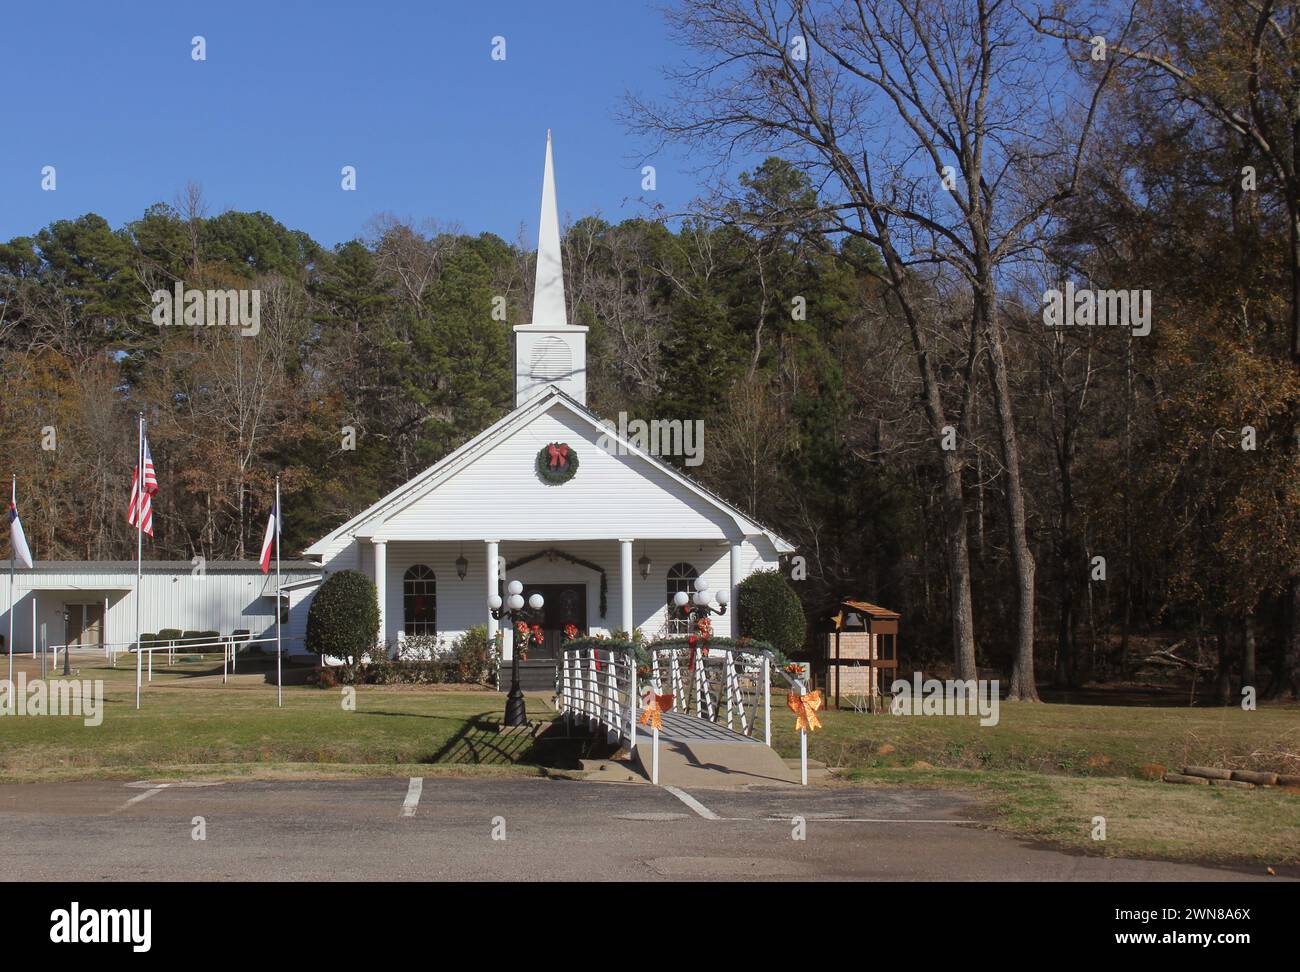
(462, 565)
(644, 564)
(516, 712)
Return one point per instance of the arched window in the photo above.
(419, 601)
(681, 577)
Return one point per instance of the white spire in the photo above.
(548, 295)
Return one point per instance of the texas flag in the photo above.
(21, 553)
(268, 541)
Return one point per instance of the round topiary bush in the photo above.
(343, 620)
(770, 611)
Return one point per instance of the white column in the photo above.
(734, 608)
(625, 583)
(493, 558)
(381, 586)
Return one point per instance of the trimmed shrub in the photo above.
(472, 656)
(343, 620)
(169, 634)
(770, 611)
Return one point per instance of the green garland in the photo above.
(604, 579)
(556, 475)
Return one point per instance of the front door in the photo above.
(565, 604)
(85, 625)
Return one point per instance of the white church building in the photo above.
(548, 495)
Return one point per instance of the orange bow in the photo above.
(805, 707)
(656, 705)
(559, 455)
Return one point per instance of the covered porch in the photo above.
(440, 588)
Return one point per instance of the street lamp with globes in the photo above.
(512, 610)
(702, 599)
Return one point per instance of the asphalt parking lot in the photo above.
(398, 829)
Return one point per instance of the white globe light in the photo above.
(514, 587)
(681, 598)
(535, 602)
(494, 602)
(701, 584)
(723, 598)
(516, 602)
(702, 598)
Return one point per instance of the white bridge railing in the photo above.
(598, 686)
(720, 685)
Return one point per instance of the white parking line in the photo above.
(693, 803)
(412, 796)
(142, 796)
(822, 820)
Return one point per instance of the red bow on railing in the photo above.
(559, 455)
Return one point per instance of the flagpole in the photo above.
(10, 643)
(139, 548)
(279, 680)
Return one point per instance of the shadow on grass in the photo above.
(479, 741)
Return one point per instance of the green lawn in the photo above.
(1076, 740)
(1045, 771)
(190, 723)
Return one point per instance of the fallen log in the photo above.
(1288, 779)
(1251, 776)
(1209, 772)
(1180, 778)
(1240, 784)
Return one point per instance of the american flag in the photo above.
(141, 507)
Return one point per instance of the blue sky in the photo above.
(292, 91)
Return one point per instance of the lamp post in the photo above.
(513, 608)
(702, 599)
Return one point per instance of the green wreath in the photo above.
(556, 463)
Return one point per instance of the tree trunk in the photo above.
(958, 557)
(1223, 687)
(1248, 652)
(1022, 685)
(1290, 674)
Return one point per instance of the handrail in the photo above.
(598, 684)
(741, 697)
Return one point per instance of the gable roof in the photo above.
(494, 433)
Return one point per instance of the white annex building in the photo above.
(548, 495)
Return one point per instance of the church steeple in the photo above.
(549, 350)
(548, 295)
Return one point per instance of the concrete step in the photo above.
(611, 771)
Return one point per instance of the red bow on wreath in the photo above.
(559, 455)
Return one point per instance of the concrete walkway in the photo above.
(702, 755)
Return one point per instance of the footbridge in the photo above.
(713, 706)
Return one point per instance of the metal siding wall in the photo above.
(221, 601)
